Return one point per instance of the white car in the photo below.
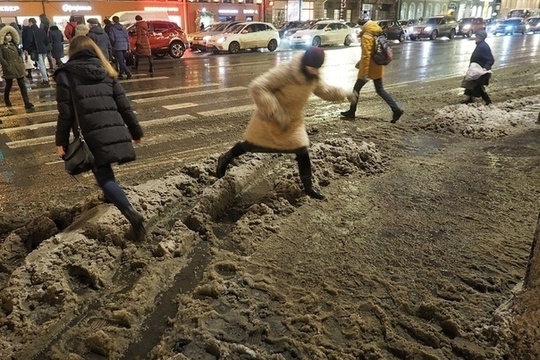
(197, 41)
(324, 32)
(247, 35)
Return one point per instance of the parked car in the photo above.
(533, 24)
(197, 41)
(470, 26)
(322, 33)
(511, 26)
(356, 28)
(434, 27)
(392, 30)
(408, 25)
(166, 37)
(289, 25)
(245, 35)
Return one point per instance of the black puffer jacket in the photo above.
(102, 106)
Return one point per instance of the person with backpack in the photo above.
(69, 30)
(369, 69)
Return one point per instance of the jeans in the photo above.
(380, 91)
(121, 61)
(113, 192)
(42, 68)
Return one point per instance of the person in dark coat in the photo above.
(142, 47)
(120, 45)
(57, 41)
(277, 125)
(35, 43)
(106, 119)
(44, 24)
(107, 24)
(100, 37)
(12, 64)
(483, 56)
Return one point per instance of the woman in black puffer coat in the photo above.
(107, 121)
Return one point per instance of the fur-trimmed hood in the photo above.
(14, 33)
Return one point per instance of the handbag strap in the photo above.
(72, 95)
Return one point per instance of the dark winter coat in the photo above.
(483, 56)
(57, 40)
(10, 56)
(143, 42)
(35, 39)
(100, 37)
(119, 37)
(44, 23)
(106, 119)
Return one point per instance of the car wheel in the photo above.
(413, 38)
(401, 37)
(433, 35)
(234, 47)
(469, 34)
(316, 41)
(215, 52)
(452, 34)
(272, 45)
(177, 49)
(348, 40)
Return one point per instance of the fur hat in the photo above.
(11, 30)
(481, 34)
(313, 57)
(138, 17)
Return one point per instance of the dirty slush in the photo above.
(419, 252)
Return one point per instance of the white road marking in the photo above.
(230, 110)
(194, 93)
(180, 106)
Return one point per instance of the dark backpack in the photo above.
(382, 54)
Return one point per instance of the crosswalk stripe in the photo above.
(180, 106)
(230, 110)
(194, 93)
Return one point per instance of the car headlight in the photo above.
(206, 38)
(221, 40)
(428, 28)
(509, 27)
(306, 37)
(466, 27)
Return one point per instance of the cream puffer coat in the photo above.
(280, 96)
(368, 68)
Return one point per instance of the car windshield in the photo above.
(511, 22)
(466, 21)
(235, 29)
(318, 26)
(433, 21)
(217, 27)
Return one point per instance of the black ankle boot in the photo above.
(225, 159)
(8, 103)
(348, 114)
(304, 168)
(137, 223)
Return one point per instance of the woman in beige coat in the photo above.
(277, 125)
(368, 69)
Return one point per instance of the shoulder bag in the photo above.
(78, 157)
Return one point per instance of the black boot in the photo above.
(225, 159)
(7, 101)
(304, 168)
(27, 103)
(469, 100)
(396, 115)
(486, 98)
(137, 223)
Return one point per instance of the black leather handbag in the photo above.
(78, 158)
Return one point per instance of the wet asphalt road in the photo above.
(198, 105)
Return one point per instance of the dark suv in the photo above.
(470, 26)
(392, 30)
(166, 37)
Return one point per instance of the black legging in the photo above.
(22, 88)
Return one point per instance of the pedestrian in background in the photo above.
(12, 64)
(120, 45)
(368, 69)
(142, 46)
(483, 56)
(56, 39)
(81, 30)
(35, 43)
(99, 36)
(44, 24)
(107, 24)
(277, 125)
(108, 123)
(69, 30)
